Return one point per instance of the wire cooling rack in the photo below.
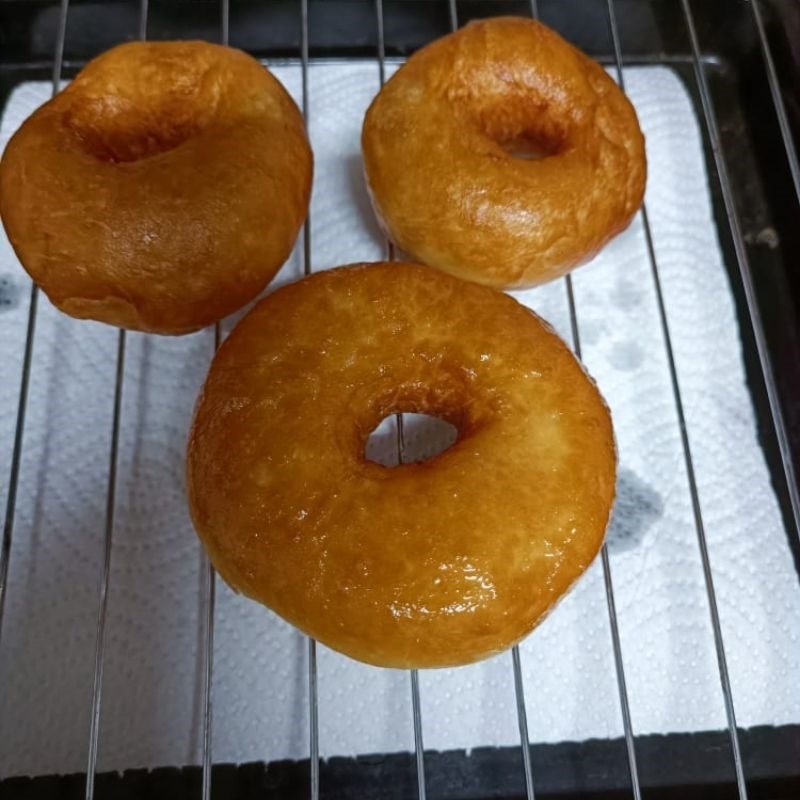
(683, 8)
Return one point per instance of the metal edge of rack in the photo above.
(767, 369)
(416, 701)
(743, 265)
(777, 96)
(27, 361)
(687, 451)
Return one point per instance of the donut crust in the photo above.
(162, 189)
(426, 564)
(439, 144)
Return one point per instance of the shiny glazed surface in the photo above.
(421, 565)
(162, 189)
(442, 145)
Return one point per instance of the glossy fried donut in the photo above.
(441, 143)
(162, 189)
(421, 565)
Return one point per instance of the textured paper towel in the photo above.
(151, 696)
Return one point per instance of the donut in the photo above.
(425, 564)
(162, 189)
(447, 146)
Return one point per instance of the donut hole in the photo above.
(424, 436)
(123, 130)
(530, 148)
(522, 135)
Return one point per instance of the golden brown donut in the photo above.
(162, 189)
(421, 565)
(441, 141)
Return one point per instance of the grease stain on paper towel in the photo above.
(637, 507)
(9, 293)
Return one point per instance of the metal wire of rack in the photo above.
(529, 768)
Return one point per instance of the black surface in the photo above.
(567, 770)
(673, 766)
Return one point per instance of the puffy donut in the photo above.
(162, 189)
(442, 140)
(425, 564)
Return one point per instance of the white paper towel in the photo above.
(152, 683)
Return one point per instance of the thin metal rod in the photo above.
(27, 361)
(419, 747)
(208, 652)
(313, 692)
(313, 718)
(622, 687)
(613, 621)
(573, 317)
(100, 637)
(304, 55)
(144, 10)
(208, 674)
(401, 439)
(777, 97)
(381, 42)
(416, 706)
(16, 454)
(304, 62)
(522, 718)
(143, 14)
(225, 22)
(678, 401)
(58, 59)
(453, 14)
(211, 575)
(99, 652)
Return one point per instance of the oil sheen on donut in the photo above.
(426, 564)
(447, 147)
(162, 189)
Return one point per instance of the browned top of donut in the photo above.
(442, 142)
(161, 189)
(441, 562)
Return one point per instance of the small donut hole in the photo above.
(127, 134)
(152, 106)
(530, 148)
(424, 437)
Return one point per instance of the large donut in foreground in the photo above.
(162, 189)
(441, 143)
(424, 564)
